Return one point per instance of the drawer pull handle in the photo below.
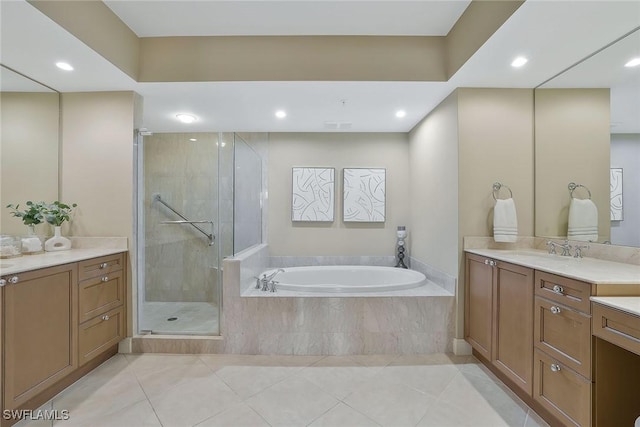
(555, 310)
(105, 317)
(555, 367)
(104, 265)
(105, 279)
(558, 289)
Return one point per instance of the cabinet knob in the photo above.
(104, 265)
(558, 289)
(555, 310)
(105, 279)
(3, 282)
(490, 262)
(105, 317)
(486, 262)
(13, 279)
(555, 367)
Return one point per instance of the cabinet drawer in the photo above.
(569, 292)
(96, 267)
(561, 391)
(564, 334)
(100, 294)
(99, 334)
(617, 327)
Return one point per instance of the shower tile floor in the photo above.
(192, 318)
(136, 390)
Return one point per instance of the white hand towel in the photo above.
(583, 220)
(505, 221)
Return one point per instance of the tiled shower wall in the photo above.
(180, 265)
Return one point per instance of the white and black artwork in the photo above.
(364, 195)
(313, 193)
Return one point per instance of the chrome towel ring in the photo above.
(573, 186)
(497, 186)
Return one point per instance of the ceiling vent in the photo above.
(337, 125)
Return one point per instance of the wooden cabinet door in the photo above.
(40, 331)
(513, 323)
(479, 304)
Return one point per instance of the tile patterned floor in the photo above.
(317, 391)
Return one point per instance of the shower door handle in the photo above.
(187, 222)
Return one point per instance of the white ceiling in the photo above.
(303, 17)
(553, 34)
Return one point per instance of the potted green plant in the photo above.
(56, 214)
(31, 216)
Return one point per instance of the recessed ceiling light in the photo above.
(192, 139)
(633, 63)
(400, 114)
(281, 114)
(519, 61)
(186, 118)
(64, 66)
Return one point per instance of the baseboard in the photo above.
(461, 347)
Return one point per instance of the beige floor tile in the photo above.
(140, 414)
(343, 415)
(249, 380)
(99, 395)
(446, 415)
(161, 380)
(484, 398)
(296, 361)
(431, 379)
(292, 402)
(218, 361)
(339, 381)
(430, 359)
(372, 360)
(534, 420)
(145, 363)
(39, 417)
(240, 415)
(390, 404)
(193, 401)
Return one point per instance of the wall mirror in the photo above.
(603, 97)
(28, 145)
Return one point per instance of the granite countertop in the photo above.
(629, 305)
(592, 270)
(82, 248)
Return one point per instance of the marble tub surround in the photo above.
(328, 325)
(445, 281)
(303, 261)
(621, 254)
(50, 259)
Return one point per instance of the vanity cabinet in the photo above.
(58, 323)
(39, 331)
(101, 301)
(499, 316)
(562, 369)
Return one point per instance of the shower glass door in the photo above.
(178, 233)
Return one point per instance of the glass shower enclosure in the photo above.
(187, 187)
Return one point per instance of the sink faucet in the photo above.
(268, 284)
(566, 247)
(579, 248)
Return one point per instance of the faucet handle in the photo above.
(552, 247)
(579, 248)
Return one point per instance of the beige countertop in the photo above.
(82, 248)
(629, 305)
(592, 270)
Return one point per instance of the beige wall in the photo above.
(433, 166)
(496, 144)
(29, 154)
(337, 150)
(97, 162)
(572, 145)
